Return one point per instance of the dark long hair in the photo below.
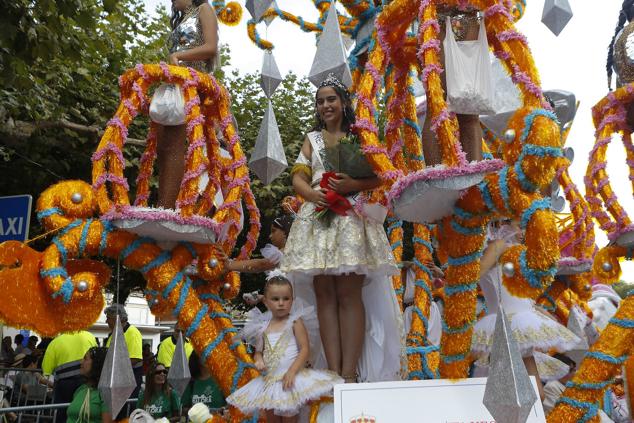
(152, 388)
(177, 15)
(284, 223)
(348, 112)
(98, 356)
(625, 15)
(195, 366)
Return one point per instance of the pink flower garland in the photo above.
(156, 215)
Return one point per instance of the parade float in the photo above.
(396, 48)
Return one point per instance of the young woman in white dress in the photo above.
(343, 265)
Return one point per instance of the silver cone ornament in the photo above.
(117, 381)
(331, 53)
(556, 15)
(271, 77)
(257, 8)
(269, 19)
(268, 160)
(179, 374)
(509, 395)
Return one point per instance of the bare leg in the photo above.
(272, 418)
(469, 125)
(431, 148)
(292, 419)
(328, 316)
(170, 155)
(531, 368)
(351, 322)
(470, 136)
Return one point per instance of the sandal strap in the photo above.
(353, 377)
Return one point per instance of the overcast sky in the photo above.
(573, 61)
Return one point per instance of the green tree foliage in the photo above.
(60, 62)
(293, 104)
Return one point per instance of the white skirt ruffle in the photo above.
(346, 244)
(532, 330)
(267, 393)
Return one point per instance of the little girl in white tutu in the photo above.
(282, 349)
(534, 331)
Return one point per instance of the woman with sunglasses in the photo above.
(87, 405)
(158, 398)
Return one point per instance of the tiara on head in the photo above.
(332, 81)
(275, 273)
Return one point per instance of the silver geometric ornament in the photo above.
(557, 203)
(509, 395)
(117, 381)
(331, 53)
(268, 160)
(364, 33)
(556, 15)
(271, 77)
(565, 105)
(257, 8)
(269, 19)
(497, 123)
(555, 188)
(179, 374)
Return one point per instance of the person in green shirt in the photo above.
(87, 405)
(158, 398)
(62, 359)
(202, 388)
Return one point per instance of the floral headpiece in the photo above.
(275, 274)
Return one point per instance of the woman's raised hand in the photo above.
(173, 59)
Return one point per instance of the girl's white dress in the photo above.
(533, 330)
(279, 351)
(355, 243)
(537, 334)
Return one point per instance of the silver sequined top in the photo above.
(187, 35)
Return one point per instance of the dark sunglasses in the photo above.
(158, 372)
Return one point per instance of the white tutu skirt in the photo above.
(347, 244)
(532, 330)
(267, 393)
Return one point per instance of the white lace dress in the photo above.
(349, 244)
(533, 330)
(279, 351)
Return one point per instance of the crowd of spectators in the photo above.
(67, 369)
